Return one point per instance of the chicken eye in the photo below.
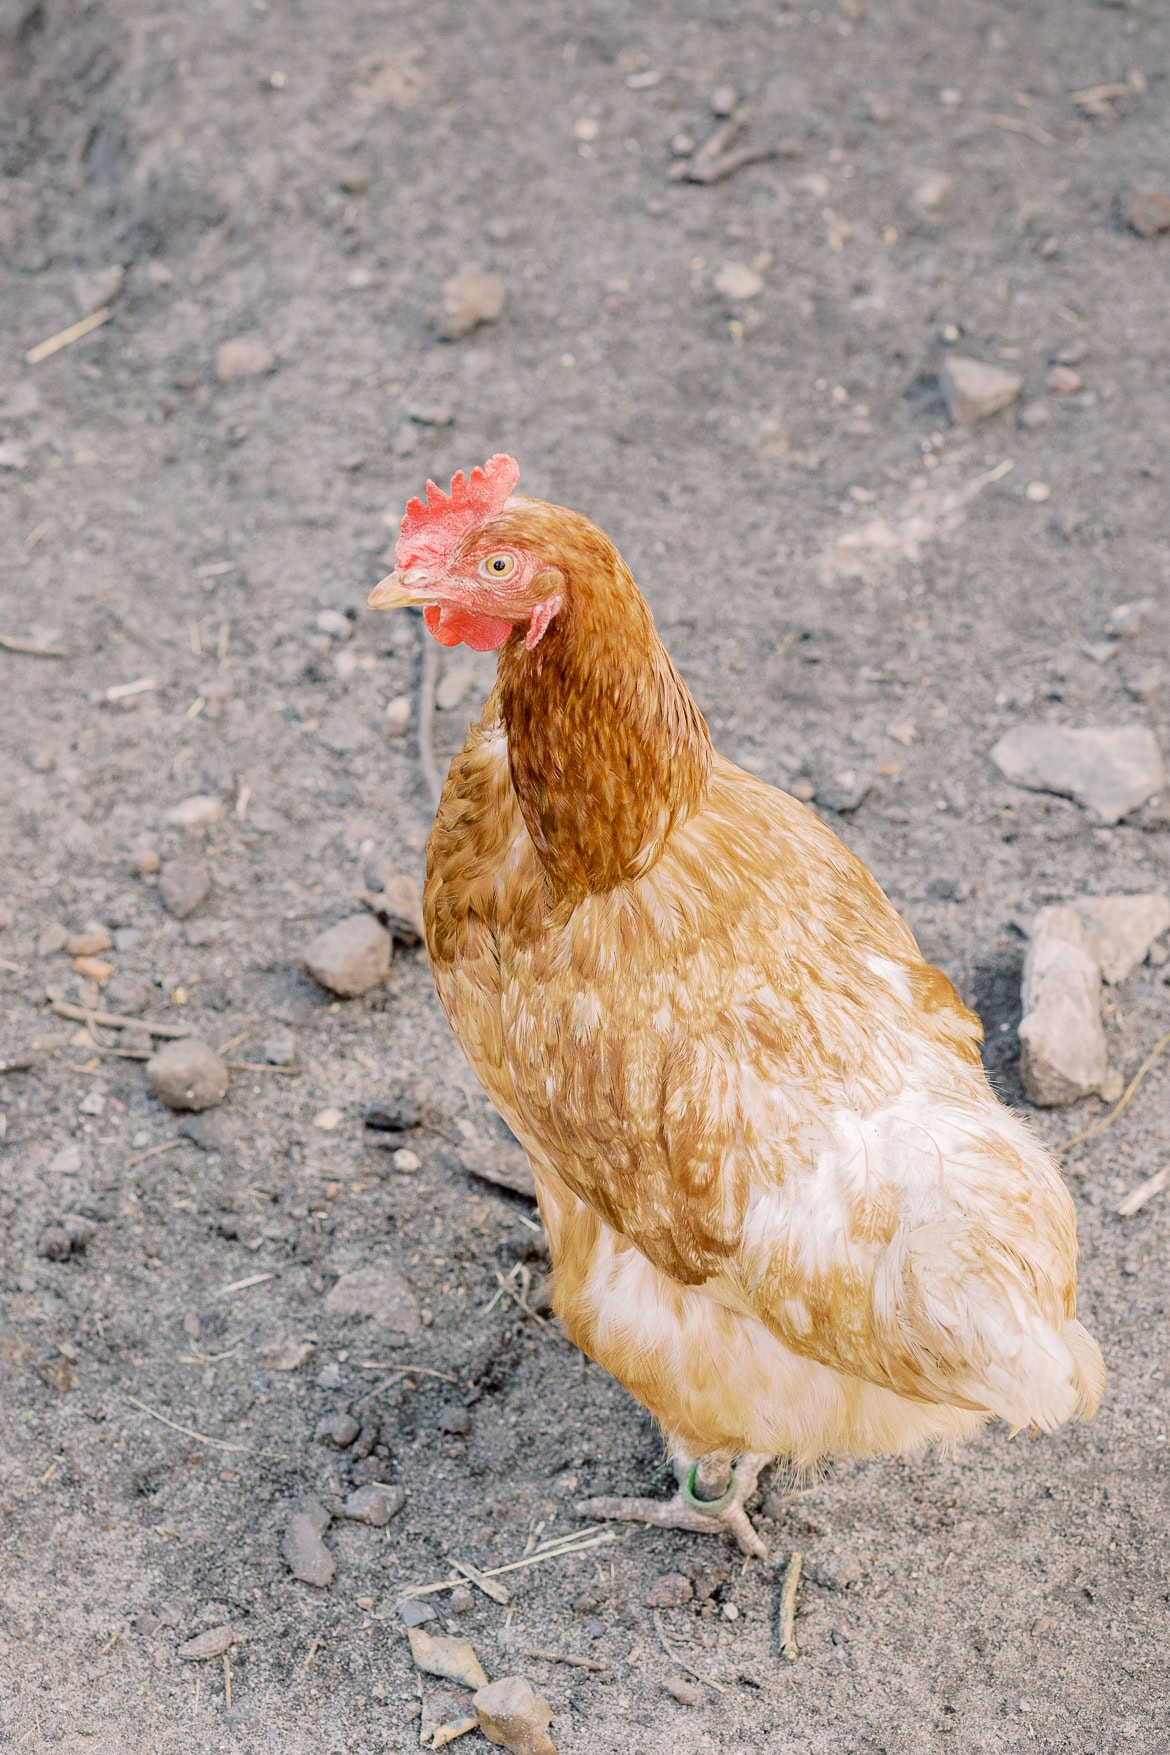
(497, 566)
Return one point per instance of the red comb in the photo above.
(433, 527)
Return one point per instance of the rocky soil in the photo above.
(849, 325)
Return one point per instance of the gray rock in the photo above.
(187, 1074)
(1127, 620)
(1119, 930)
(211, 1133)
(339, 1430)
(351, 957)
(54, 1243)
(461, 1600)
(454, 1420)
(377, 1294)
(127, 994)
(305, 1553)
(1062, 1043)
(416, 1611)
(184, 886)
(844, 793)
(973, 391)
(512, 1714)
(375, 1504)
(1110, 772)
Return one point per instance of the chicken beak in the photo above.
(401, 590)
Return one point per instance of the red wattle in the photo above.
(452, 626)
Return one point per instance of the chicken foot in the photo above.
(711, 1497)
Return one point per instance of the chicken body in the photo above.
(784, 1207)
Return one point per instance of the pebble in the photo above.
(462, 1600)
(513, 1715)
(211, 1644)
(375, 1504)
(933, 193)
(1062, 1043)
(1037, 492)
(1110, 771)
(1148, 212)
(738, 282)
(686, 1693)
(441, 1654)
(376, 1294)
(128, 994)
(55, 1243)
(195, 813)
(211, 1133)
(1128, 620)
(1035, 416)
(397, 716)
(184, 886)
(339, 1430)
(469, 299)
(351, 957)
(397, 903)
(406, 1162)
(416, 1611)
(844, 793)
(453, 686)
(53, 939)
(973, 390)
(304, 1551)
(279, 1048)
(723, 100)
(187, 1074)
(455, 1420)
(89, 943)
(397, 1112)
(1119, 930)
(1062, 380)
(1100, 651)
(1146, 685)
(289, 1355)
(243, 357)
(93, 969)
(670, 1590)
(328, 1120)
(144, 860)
(329, 1376)
(335, 623)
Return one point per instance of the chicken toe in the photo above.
(695, 1506)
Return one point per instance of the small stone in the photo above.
(836, 1572)
(339, 1430)
(1037, 492)
(933, 193)
(454, 1420)
(686, 1693)
(54, 1243)
(1110, 772)
(89, 943)
(93, 1104)
(416, 1612)
(288, 1355)
(329, 1376)
(195, 813)
(93, 969)
(1128, 620)
(53, 939)
(1071, 353)
(211, 1644)
(243, 357)
(512, 1714)
(351, 957)
(305, 1553)
(328, 1120)
(461, 1600)
(974, 391)
(1062, 1044)
(453, 686)
(128, 994)
(184, 886)
(440, 1654)
(1119, 930)
(738, 282)
(1100, 651)
(844, 793)
(1034, 417)
(397, 716)
(469, 299)
(1146, 685)
(279, 1048)
(66, 1162)
(211, 1133)
(1148, 212)
(723, 100)
(334, 623)
(397, 903)
(406, 1162)
(397, 1112)
(683, 144)
(1063, 380)
(376, 1294)
(144, 860)
(375, 1504)
(187, 1074)
(670, 1590)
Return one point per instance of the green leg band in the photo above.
(711, 1506)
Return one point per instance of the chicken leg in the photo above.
(711, 1497)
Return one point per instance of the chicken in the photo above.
(784, 1207)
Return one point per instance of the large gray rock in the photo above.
(1110, 772)
(380, 1295)
(972, 391)
(351, 957)
(187, 1074)
(1062, 1043)
(1119, 930)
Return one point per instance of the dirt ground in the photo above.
(848, 584)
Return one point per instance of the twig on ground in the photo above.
(1014, 125)
(115, 1021)
(682, 1663)
(428, 679)
(312, 1652)
(154, 1152)
(30, 649)
(554, 1550)
(1090, 1133)
(407, 1370)
(497, 1592)
(242, 1285)
(260, 1066)
(201, 1437)
(788, 1606)
(63, 338)
(565, 1657)
(1145, 1191)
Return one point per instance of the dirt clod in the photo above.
(188, 1075)
(351, 957)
